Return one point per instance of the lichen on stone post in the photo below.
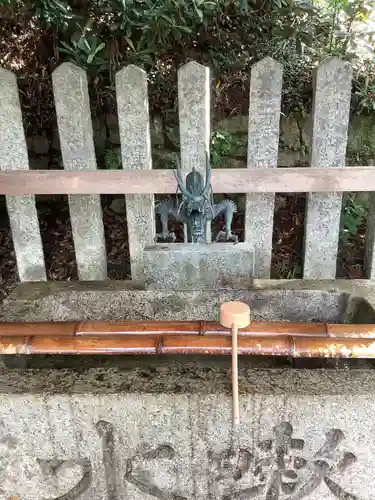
(263, 142)
(134, 125)
(332, 92)
(22, 212)
(78, 153)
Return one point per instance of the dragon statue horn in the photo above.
(180, 182)
(208, 176)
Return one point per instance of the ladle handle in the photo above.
(235, 315)
(236, 408)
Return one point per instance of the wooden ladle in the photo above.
(235, 315)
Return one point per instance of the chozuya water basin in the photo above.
(138, 427)
(333, 301)
(270, 301)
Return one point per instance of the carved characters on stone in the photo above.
(105, 431)
(50, 467)
(277, 468)
(139, 470)
(49, 470)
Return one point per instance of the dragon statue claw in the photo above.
(169, 237)
(222, 236)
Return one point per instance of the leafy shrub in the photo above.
(160, 35)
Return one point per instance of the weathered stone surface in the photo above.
(361, 133)
(270, 300)
(194, 115)
(226, 162)
(161, 428)
(306, 124)
(323, 211)
(180, 446)
(21, 209)
(134, 123)
(118, 206)
(78, 152)
(262, 152)
(163, 158)
(197, 266)
(364, 141)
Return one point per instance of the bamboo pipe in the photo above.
(200, 328)
(270, 345)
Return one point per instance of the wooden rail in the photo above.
(262, 180)
(188, 337)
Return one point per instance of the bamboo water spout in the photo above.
(319, 340)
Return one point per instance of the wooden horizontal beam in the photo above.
(262, 180)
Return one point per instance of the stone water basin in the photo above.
(338, 301)
(333, 301)
(145, 428)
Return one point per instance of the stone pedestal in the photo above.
(187, 266)
(302, 435)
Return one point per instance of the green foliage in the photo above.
(366, 95)
(228, 35)
(53, 12)
(294, 26)
(354, 215)
(112, 160)
(85, 51)
(223, 144)
(102, 36)
(346, 28)
(149, 25)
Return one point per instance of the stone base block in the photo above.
(332, 301)
(186, 266)
(291, 443)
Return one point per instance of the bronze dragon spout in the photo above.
(194, 207)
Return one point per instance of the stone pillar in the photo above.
(263, 143)
(333, 83)
(194, 115)
(134, 125)
(78, 153)
(22, 212)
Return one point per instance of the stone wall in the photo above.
(295, 142)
